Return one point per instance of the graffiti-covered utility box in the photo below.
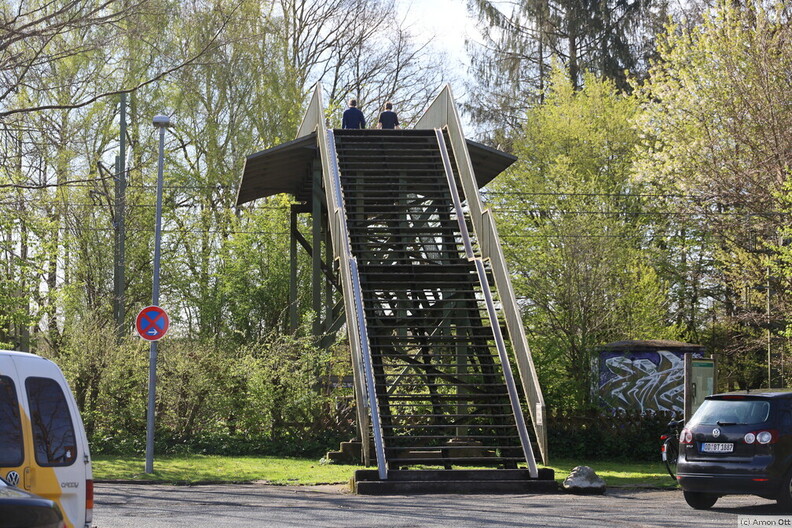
(643, 375)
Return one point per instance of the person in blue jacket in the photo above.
(353, 117)
(388, 119)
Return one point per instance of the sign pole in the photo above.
(162, 122)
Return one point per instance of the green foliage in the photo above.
(596, 435)
(254, 278)
(109, 381)
(275, 397)
(573, 237)
(716, 132)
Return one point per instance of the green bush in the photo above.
(213, 397)
(598, 434)
(271, 398)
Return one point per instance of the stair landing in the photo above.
(457, 481)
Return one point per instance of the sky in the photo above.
(446, 22)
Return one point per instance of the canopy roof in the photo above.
(287, 168)
(634, 344)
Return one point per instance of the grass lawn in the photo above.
(620, 474)
(193, 469)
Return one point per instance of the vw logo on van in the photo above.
(716, 432)
(13, 478)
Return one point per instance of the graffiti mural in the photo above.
(642, 381)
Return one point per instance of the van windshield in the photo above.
(731, 412)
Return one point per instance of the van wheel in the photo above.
(699, 500)
(785, 493)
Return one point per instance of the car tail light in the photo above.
(89, 501)
(769, 436)
(686, 437)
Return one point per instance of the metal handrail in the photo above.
(314, 121)
(443, 113)
(514, 398)
(346, 254)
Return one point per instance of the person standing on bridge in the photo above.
(353, 117)
(388, 119)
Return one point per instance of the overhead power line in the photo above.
(622, 195)
(496, 209)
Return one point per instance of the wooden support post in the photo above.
(316, 241)
(328, 258)
(294, 321)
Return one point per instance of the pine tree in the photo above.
(510, 68)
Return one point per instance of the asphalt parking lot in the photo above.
(254, 505)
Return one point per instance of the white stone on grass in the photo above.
(583, 479)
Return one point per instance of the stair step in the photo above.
(449, 425)
(404, 482)
(456, 474)
(448, 397)
(394, 402)
(445, 437)
(448, 415)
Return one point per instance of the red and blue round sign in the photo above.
(152, 323)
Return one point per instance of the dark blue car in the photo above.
(738, 443)
(20, 509)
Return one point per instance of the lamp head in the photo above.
(162, 121)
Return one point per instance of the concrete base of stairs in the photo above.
(461, 481)
(348, 453)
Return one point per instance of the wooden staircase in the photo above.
(441, 393)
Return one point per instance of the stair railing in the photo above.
(500, 345)
(314, 123)
(443, 113)
(351, 276)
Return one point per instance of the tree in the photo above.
(575, 235)
(521, 38)
(716, 131)
(357, 49)
(35, 36)
(245, 95)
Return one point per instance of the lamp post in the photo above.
(161, 122)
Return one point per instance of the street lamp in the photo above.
(162, 122)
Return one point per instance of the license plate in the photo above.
(714, 447)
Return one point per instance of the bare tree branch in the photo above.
(40, 32)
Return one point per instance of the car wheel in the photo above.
(699, 500)
(785, 493)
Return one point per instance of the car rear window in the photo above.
(11, 446)
(743, 412)
(53, 433)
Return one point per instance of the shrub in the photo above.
(597, 434)
(213, 397)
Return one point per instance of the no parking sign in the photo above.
(152, 323)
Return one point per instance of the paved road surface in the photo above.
(259, 505)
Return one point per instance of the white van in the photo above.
(43, 446)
